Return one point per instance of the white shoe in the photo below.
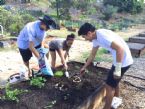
(116, 102)
(14, 78)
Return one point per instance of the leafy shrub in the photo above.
(109, 11)
(13, 21)
(15, 29)
(38, 82)
(131, 6)
(4, 16)
(50, 104)
(27, 18)
(12, 95)
(2, 2)
(58, 73)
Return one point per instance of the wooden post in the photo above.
(93, 101)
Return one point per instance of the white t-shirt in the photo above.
(31, 32)
(104, 38)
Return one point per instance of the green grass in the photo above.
(61, 33)
(41, 3)
(99, 56)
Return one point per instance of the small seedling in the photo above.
(12, 95)
(50, 105)
(77, 67)
(38, 82)
(58, 74)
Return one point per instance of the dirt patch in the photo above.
(70, 96)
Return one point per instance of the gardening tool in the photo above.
(67, 74)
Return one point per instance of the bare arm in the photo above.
(61, 54)
(32, 48)
(44, 44)
(119, 58)
(119, 51)
(66, 55)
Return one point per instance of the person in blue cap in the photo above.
(31, 37)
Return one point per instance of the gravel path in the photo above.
(133, 86)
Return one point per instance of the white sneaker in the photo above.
(116, 102)
(14, 78)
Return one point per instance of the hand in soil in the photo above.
(65, 66)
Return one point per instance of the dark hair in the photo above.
(85, 28)
(70, 37)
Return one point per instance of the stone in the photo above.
(1, 44)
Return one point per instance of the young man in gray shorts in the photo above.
(62, 48)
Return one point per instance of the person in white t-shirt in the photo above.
(31, 37)
(122, 58)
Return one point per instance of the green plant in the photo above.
(58, 73)
(38, 82)
(50, 105)
(2, 2)
(14, 20)
(99, 56)
(131, 6)
(12, 95)
(15, 29)
(27, 18)
(109, 11)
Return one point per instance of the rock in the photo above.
(1, 45)
(9, 68)
(1, 70)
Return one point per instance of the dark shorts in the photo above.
(26, 53)
(110, 79)
(52, 50)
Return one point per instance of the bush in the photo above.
(38, 82)
(2, 2)
(13, 22)
(15, 28)
(12, 94)
(27, 18)
(131, 6)
(3, 16)
(109, 11)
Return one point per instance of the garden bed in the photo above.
(137, 49)
(140, 40)
(59, 92)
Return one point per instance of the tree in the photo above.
(2, 2)
(131, 6)
(63, 6)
